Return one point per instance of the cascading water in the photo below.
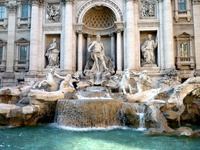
(88, 113)
(140, 111)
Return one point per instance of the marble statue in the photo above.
(127, 84)
(49, 83)
(97, 54)
(53, 14)
(144, 82)
(67, 81)
(53, 54)
(147, 49)
(99, 67)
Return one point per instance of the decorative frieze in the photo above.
(147, 8)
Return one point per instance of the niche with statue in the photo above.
(52, 51)
(148, 48)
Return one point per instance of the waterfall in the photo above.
(88, 113)
(140, 111)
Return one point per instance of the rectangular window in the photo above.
(181, 4)
(24, 11)
(1, 54)
(23, 54)
(2, 12)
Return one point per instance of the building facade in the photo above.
(152, 35)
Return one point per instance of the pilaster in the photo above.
(12, 7)
(196, 19)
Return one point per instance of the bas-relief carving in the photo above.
(147, 8)
(148, 54)
(52, 55)
(53, 12)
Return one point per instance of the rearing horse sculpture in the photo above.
(49, 83)
(127, 84)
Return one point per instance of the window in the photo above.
(2, 12)
(185, 49)
(181, 4)
(24, 13)
(23, 53)
(184, 55)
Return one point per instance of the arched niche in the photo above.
(99, 18)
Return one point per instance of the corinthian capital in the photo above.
(37, 2)
(12, 6)
(67, 1)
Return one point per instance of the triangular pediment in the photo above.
(22, 40)
(183, 35)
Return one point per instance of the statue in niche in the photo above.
(147, 49)
(147, 8)
(53, 54)
(97, 54)
(99, 67)
(53, 14)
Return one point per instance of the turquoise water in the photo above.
(50, 137)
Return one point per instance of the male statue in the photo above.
(97, 54)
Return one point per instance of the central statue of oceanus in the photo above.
(99, 67)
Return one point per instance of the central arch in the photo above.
(97, 17)
(94, 3)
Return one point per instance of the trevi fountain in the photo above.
(99, 75)
(101, 109)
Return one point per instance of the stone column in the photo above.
(87, 55)
(119, 51)
(112, 45)
(130, 57)
(68, 25)
(168, 45)
(80, 51)
(196, 19)
(161, 52)
(34, 37)
(12, 7)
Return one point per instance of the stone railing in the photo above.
(21, 65)
(185, 61)
(24, 21)
(4, 22)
